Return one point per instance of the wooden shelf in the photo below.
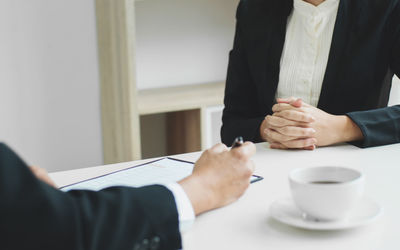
(162, 100)
(179, 112)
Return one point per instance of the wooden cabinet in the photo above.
(187, 117)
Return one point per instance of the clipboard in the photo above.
(161, 171)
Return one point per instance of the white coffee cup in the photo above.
(326, 193)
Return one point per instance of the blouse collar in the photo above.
(324, 9)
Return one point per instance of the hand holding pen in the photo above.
(237, 142)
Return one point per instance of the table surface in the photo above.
(246, 224)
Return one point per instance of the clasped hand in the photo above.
(298, 125)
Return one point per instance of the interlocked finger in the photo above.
(275, 136)
(300, 143)
(285, 106)
(295, 131)
(295, 116)
(277, 145)
(276, 121)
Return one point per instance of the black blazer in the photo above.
(364, 55)
(34, 215)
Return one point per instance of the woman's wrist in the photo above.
(263, 126)
(347, 130)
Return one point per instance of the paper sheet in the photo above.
(163, 171)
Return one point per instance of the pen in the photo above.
(237, 142)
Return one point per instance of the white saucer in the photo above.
(285, 211)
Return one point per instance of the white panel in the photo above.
(183, 41)
(395, 92)
(49, 86)
(213, 116)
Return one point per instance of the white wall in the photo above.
(49, 86)
(183, 41)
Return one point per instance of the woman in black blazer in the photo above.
(364, 56)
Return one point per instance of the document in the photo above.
(161, 171)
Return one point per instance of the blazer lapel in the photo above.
(267, 38)
(331, 88)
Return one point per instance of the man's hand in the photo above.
(219, 177)
(295, 124)
(42, 175)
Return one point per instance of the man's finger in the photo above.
(218, 148)
(247, 150)
(251, 166)
(42, 175)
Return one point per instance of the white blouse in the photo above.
(305, 54)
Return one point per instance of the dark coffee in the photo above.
(325, 182)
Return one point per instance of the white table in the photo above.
(246, 224)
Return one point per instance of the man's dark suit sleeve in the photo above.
(241, 116)
(34, 215)
(382, 126)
